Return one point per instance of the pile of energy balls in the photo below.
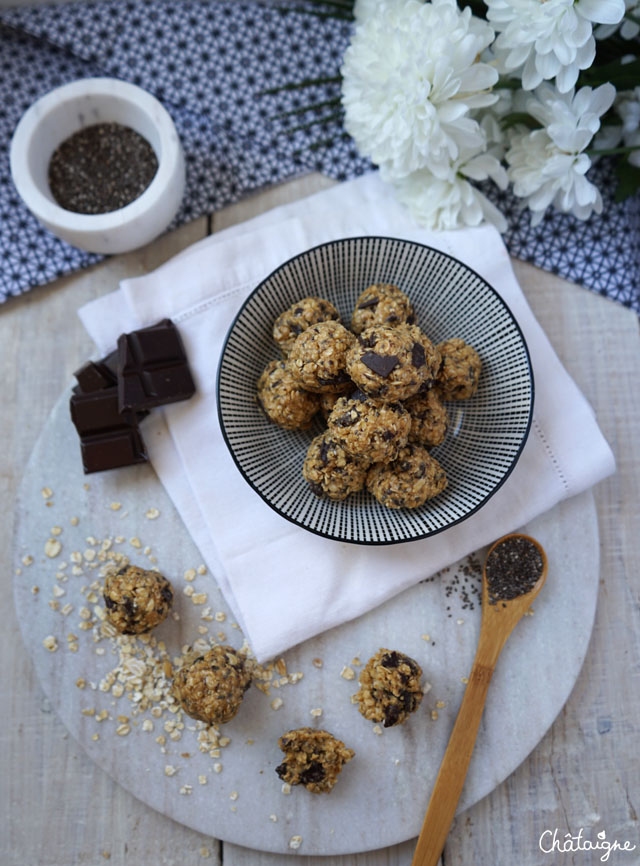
(380, 387)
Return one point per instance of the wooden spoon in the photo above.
(498, 621)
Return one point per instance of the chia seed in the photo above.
(101, 168)
(513, 568)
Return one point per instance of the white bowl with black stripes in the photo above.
(487, 432)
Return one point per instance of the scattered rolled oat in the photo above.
(135, 542)
(50, 643)
(27, 559)
(425, 636)
(47, 492)
(220, 616)
(202, 569)
(276, 703)
(273, 818)
(377, 730)
(186, 789)
(35, 590)
(286, 788)
(199, 598)
(434, 715)
(115, 506)
(56, 530)
(316, 712)
(464, 680)
(74, 521)
(440, 704)
(52, 547)
(58, 591)
(217, 767)
(233, 795)
(152, 513)
(295, 842)
(347, 673)
(190, 575)
(202, 779)
(204, 852)
(170, 770)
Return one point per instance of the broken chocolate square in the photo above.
(153, 368)
(108, 438)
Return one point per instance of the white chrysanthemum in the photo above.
(452, 202)
(410, 80)
(548, 166)
(629, 28)
(546, 39)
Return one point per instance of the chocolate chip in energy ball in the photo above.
(381, 365)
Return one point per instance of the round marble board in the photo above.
(63, 518)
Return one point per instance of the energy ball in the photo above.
(136, 600)
(381, 304)
(392, 363)
(331, 471)
(318, 358)
(390, 688)
(460, 372)
(283, 399)
(327, 402)
(211, 687)
(313, 758)
(370, 430)
(409, 481)
(300, 316)
(429, 419)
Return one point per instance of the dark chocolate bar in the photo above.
(153, 368)
(108, 438)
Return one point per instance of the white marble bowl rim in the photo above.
(66, 110)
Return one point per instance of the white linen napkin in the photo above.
(283, 583)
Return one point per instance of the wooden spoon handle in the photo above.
(453, 769)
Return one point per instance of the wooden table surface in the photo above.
(585, 774)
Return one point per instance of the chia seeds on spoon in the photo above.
(513, 568)
(101, 168)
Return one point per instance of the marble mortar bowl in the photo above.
(70, 108)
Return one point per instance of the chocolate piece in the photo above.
(418, 356)
(381, 365)
(153, 368)
(370, 302)
(93, 376)
(108, 438)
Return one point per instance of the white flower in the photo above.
(452, 202)
(410, 80)
(548, 166)
(549, 39)
(628, 29)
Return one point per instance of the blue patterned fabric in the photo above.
(210, 63)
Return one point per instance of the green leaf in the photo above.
(628, 180)
(517, 117)
(623, 76)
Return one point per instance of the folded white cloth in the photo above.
(283, 583)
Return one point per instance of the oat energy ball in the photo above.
(136, 600)
(283, 398)
(381, 304)
(327, 402)
(370, 430)
(298, 317)
(313, 758)
(331, 471)
(390, 688)
(392, 363)
(409, 481)
(429, 419)
(211, 687)
(460, 372)
(318, 358)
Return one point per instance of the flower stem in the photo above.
(328, 119)
(305, 108)
(307, 82)
(611, 151)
